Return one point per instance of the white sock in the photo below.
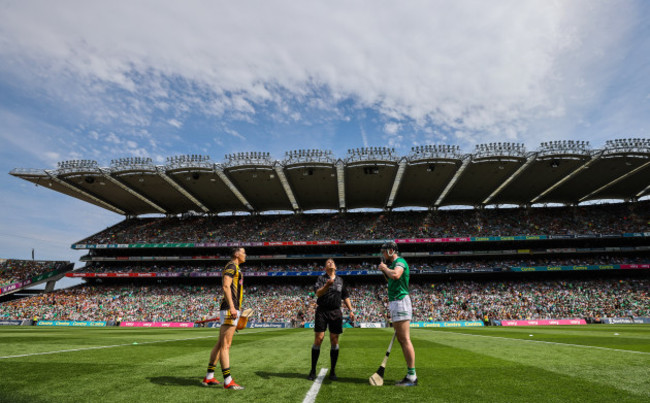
(210, 375)
(227, 379)
(411, 377)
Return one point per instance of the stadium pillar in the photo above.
(49, 287)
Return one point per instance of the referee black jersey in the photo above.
(336, 293)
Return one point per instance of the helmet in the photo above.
(390, 245)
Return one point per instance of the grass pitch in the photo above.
(597, 363)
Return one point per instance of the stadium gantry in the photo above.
(430, 176)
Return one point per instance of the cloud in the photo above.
(364, 136)
(234, 133)
(486, 69)
(175, 123)
(392, 128)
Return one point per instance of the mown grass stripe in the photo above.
(555, 343)
(115, 345)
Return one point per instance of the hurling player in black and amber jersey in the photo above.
(233, 293)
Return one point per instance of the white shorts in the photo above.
(401, 310)
(226, 319)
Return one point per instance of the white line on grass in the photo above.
(313, 391)
(559, 344)
(115, 345)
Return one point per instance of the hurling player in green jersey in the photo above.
(396, 271)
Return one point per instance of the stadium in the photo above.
(530, 272)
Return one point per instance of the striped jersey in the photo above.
(236, 287)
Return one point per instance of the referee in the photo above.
(330, 291)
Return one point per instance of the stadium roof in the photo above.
(568, 172)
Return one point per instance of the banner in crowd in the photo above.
(11, 322)
(250, 257)
(429, 270)
(14, 286)
(47, 275)
(566, 268)
(625, 321)
(542, 322)
(105, 275)
(367, 242)
(443, 269)
(462, 323)
(433, 240)
(635, 266)
(371, 325)
(201, 244)
(272, 325)
(357, 242)
(75, 323)
(366, 255)
(156, 324)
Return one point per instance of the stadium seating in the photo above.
(584, 220)
(438, 300)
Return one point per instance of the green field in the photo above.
(599, 363)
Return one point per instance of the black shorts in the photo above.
(328, 318)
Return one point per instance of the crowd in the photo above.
(438, 301)
(589, 220)
(14, 271)
(415, 263)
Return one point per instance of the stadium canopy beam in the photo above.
(233, 188)
(641, 193)
(453, 181)
(620, 178)
(512, 177)
(566, 178)
(84, 193)
(106, 174)
(184, 192)
(340, 182)
(398, 180)
(287, 188)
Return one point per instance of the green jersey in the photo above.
(398, 289)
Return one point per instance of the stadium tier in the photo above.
(16, 274)
(609, 220)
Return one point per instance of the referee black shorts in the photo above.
(332, 318)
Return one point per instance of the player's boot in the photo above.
(333, 376)
(312, 375)
(233, 386)
(407, 382)
(210, 382)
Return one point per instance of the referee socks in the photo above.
(334, 356)
(315, 352)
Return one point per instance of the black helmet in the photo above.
(390, 245)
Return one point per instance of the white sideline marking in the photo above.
(313, 391)
(559, 344)
(114, 345)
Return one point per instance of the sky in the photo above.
(105, 80)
